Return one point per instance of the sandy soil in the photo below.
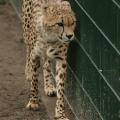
(14, 88)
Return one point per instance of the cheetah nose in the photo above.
(69, 36)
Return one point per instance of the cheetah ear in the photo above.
(66, 5)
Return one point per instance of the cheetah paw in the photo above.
(50, 91)
(32, 106)
(61, 118)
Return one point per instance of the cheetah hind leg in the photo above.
(61, 118)
(34, 101)
(33, 105)
(50, 90)
(49, 87)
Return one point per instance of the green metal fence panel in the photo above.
(94, 60)
(2, 1)
(17, 5)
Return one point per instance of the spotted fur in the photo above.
(48, 27)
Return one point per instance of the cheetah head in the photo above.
(58, 22)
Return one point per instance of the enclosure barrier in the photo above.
(93, 84)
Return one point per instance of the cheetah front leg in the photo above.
(60, 80)
(33, 73)
(49, 87)
(59, 54)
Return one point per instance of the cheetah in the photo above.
(48, 29)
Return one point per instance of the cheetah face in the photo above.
(59, 22)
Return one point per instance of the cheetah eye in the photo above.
(72, 23)
(60, 24)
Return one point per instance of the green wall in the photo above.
(94, 60)
(2, 1)
(16, 4)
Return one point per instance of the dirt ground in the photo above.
(14, 88)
